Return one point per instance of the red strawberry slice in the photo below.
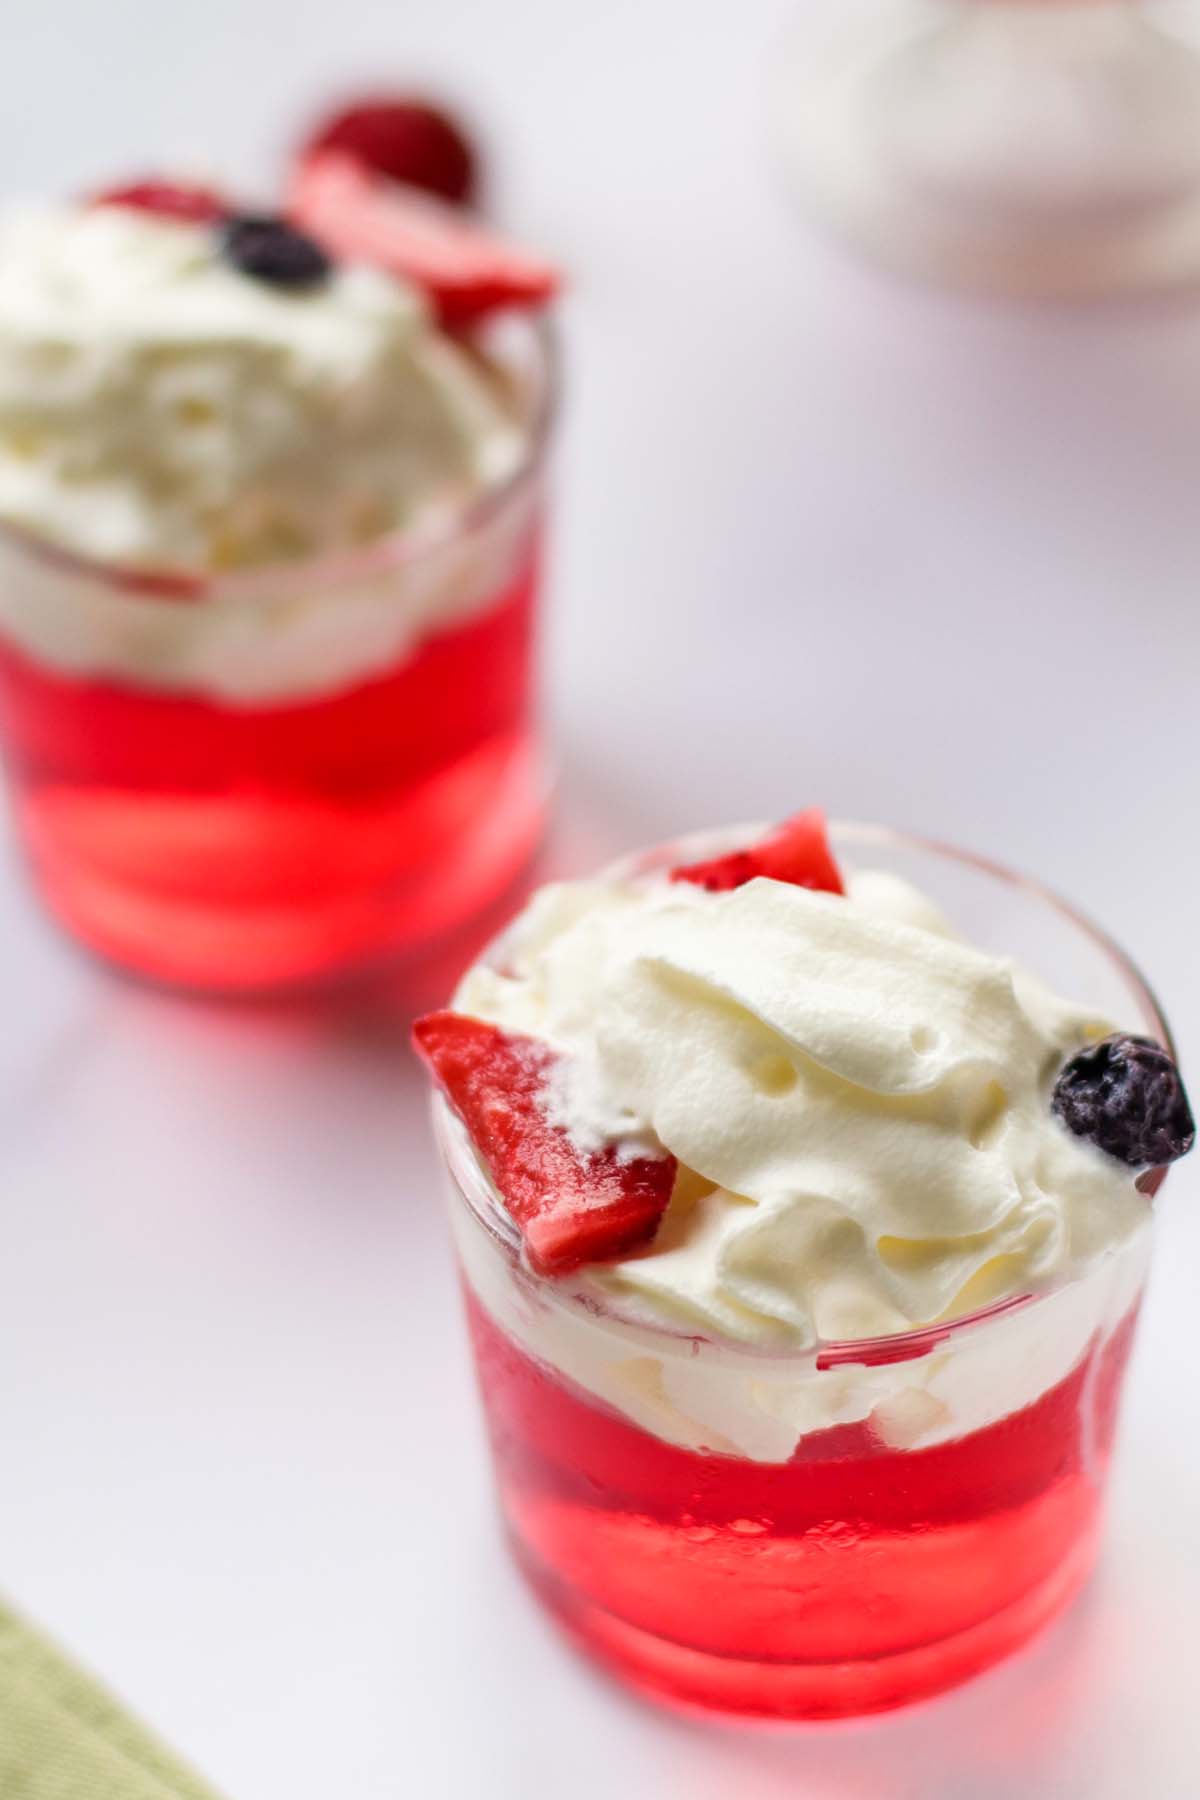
(364, 217)
(170, 199)
(404, 138)
(797, 852)
(571, 1207)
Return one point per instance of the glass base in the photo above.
(853, 1577)
(255, 893)
(1034, 147)
(695, 1680)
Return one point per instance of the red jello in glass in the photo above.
(259, 781)
(820, 1533)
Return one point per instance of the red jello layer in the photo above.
(454, 692)
(850, 1553)
(246, 847)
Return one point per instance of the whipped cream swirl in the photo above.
(161, 409)
(859, 1102)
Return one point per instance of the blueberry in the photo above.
(270, 249)
(1125, 1094)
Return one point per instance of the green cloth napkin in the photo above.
(63, 1738)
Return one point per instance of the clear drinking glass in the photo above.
(833, 1531)
(256, 781)
(1032, 146)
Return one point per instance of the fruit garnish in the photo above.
(1125, 1095)
(361, 216)
(571, 1206)
(169, 199)
(798, 853)
(273, 250)
(406, 139)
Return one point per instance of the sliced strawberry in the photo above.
(170, 199)
(364, 217)
(406, 139)
(797, 852)
(572, 1207)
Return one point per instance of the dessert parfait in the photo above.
(270, 488)
(802, 1241)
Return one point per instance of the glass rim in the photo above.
(385, 554)
(822, 1354)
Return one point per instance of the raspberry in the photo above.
(407, 140)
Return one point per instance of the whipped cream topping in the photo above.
(859, 1103)
(708, 1395)
(161, 409)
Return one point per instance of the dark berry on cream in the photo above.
(1125, 1095)
(272, 250)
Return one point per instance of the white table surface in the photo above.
(821, 537)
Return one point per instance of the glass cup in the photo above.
(1030, 146)
(836, 1530)
(266, 780)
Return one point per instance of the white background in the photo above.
(821, 537)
